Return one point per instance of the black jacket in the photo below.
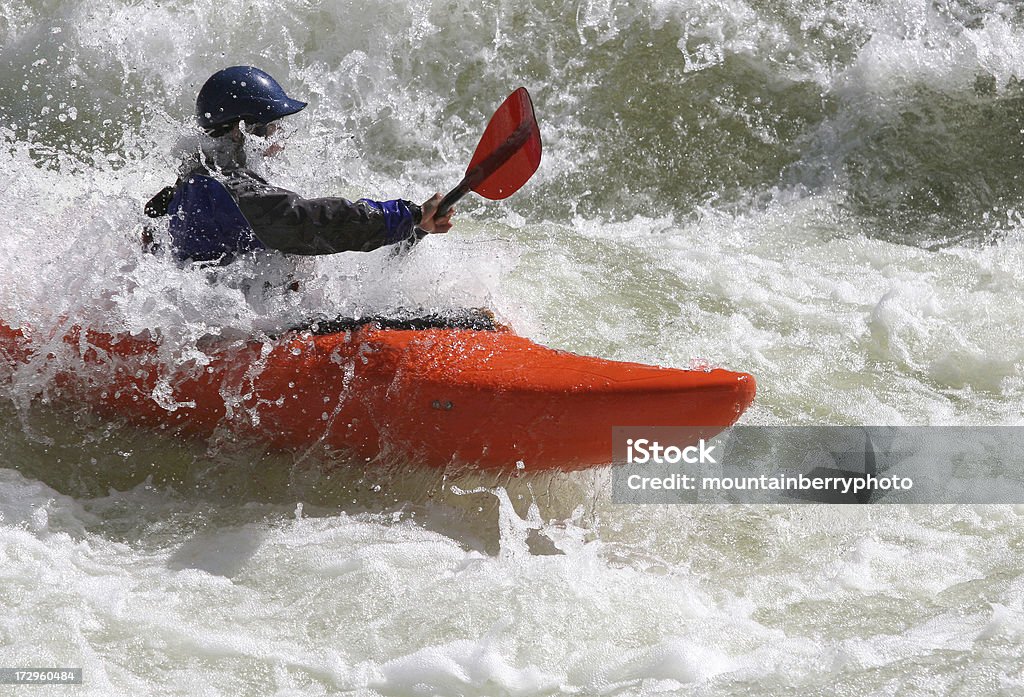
(283, 220)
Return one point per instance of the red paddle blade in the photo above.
(509, 150)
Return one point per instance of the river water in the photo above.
(827, 195)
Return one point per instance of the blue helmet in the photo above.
(242, 92)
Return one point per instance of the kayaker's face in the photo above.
(266, 130)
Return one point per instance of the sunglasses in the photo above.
(262, 130)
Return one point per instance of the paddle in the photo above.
(507, 155)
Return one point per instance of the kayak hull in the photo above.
(441, 397)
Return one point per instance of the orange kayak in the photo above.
(438, 396)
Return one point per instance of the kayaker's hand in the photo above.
(430, 221)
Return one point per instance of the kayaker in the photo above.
(219, 208)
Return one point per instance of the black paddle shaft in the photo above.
(453, 197)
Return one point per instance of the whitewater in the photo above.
(827, 195)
